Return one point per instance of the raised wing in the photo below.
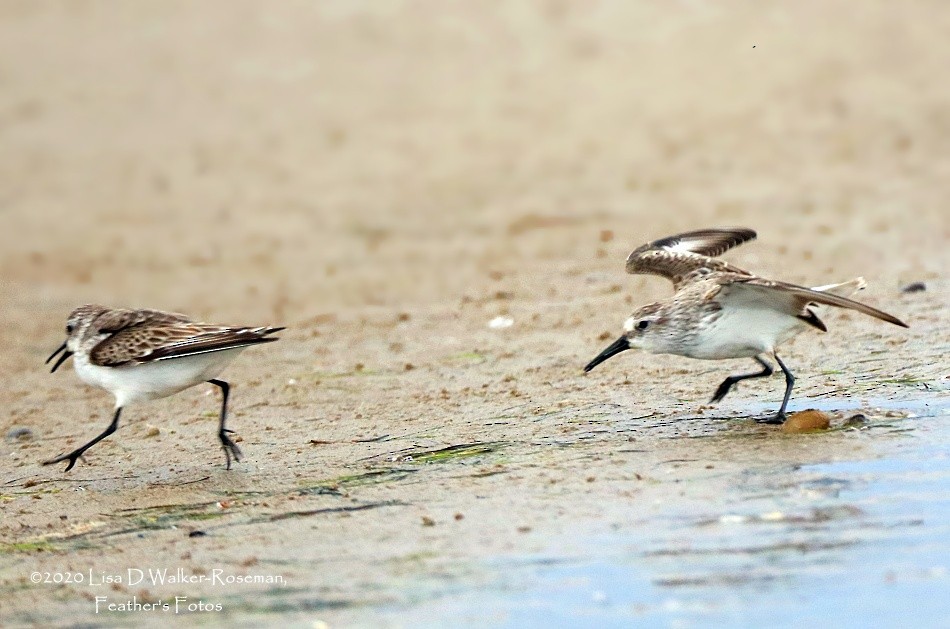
(791, 298)
(147, 342)
(679, 257)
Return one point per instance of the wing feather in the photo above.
(120, 318)
(144, 342)
(706, 242)
(796, 298)
(688, 256)
(214, 341)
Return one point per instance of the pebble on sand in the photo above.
(499, 323)
(20, 433)
(806, 421)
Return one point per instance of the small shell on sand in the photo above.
(807, 421)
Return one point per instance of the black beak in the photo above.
(62, 359)
(616, 347)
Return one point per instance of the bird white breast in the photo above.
(740, 332)
(156, 379)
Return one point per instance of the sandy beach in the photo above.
(386, 179)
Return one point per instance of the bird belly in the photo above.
(744, 332)
(156, 379)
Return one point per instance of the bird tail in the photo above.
(844, 289)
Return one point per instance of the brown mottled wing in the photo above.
(684, 257)
(120, 319)
(146, 343)
(792, 298)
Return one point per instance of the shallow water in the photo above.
(848, 544)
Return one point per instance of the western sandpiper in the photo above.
(720, 311)
(147, 354)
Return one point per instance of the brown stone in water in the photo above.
(807, 421)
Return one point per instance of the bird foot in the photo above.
(775, 420)
(72, 457)
(230, 448)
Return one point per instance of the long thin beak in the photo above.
(616, 347)
(62, 359)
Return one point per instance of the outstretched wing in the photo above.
(148, 342)
(791, 298)
(678, 257)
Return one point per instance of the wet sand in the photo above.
(387, 178)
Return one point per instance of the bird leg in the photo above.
(780, 417)
(230, 448)
(731, 380)
(75, 454)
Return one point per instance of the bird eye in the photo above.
(642, 325)
(69, 329)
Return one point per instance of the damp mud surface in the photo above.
(437, 203)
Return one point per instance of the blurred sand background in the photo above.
(385, 178)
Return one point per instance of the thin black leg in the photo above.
(731, 380)
(75, 454)
(230, 448)
(789, 383)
